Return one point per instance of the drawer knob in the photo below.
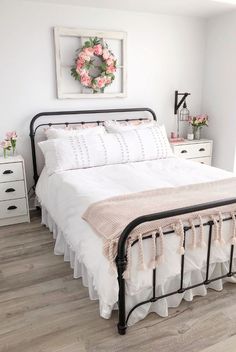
(12, 207)
(10, 190)
(202, 150)
(7, 172)
(183, 151)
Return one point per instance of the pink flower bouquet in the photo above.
(199, 120)
(9, 143)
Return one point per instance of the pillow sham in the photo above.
(52, 133)
(84, 151)
(113, 126)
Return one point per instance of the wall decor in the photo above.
(90, 64)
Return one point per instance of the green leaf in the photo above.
(87, 44)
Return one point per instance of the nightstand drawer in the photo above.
(196, 150)
(11, 172)
(10, 208)
(12, 190)
(206, 160)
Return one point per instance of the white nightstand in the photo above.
(196, 150)
(13, 191)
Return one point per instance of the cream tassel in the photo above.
(202, 238)
(153, 262)
(221, 238)
(126, 273)
(216, 231)
(142, 265)
(161, 258)
(233, 239)
(194, 244)
(179, 229)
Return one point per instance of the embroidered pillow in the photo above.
(52, 133)
(113, 126)
(84, 151)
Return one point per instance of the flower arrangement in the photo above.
(197, 123)
(85, 70)
(199, 120)
(9, 143)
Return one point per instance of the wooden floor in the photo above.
(43, 309)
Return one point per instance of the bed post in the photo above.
(121, 266)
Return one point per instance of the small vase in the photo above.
(197, 133)
(6, 153)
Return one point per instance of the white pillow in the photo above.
(113, 126)
(52, 133)
(76, 152)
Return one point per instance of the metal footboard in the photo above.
(121, 259)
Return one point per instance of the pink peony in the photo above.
(110, 69)
(11, 135)
(97, 49)
(6, 144)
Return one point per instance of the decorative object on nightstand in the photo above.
(196, 150)
(9, 143)
(13, 191)
(197, 122)
(183, 114)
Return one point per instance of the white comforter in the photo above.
(67, 195)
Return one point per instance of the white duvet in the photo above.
(66, 195)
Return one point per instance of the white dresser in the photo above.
(13, 191)
(196, 150)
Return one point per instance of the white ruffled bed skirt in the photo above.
(62, 247)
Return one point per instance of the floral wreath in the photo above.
(84, 62)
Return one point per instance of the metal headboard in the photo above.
(34, 126)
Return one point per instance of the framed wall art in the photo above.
(89, 63)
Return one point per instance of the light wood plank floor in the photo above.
(42, 309)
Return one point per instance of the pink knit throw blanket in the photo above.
(109, 217)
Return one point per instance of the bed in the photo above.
(65, 196)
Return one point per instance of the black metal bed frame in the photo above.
(121, 259)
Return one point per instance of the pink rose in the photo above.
(83, 72)
(97, 49)
(80, 63)
(108, 80)
(88, 51)
(84, 57)
(110, 62)
(110, 69)
(85, 80)
(100, 82)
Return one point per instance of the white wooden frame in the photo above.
(75, 32)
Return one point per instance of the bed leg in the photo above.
(121, 329)
(121, 326)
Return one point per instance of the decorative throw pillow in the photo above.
(84, 151)
(113, 126)
(52, 133)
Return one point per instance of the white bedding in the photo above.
(64, 198)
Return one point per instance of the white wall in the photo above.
(164, 53)
(219, 90)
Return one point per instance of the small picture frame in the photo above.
(67, 43)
